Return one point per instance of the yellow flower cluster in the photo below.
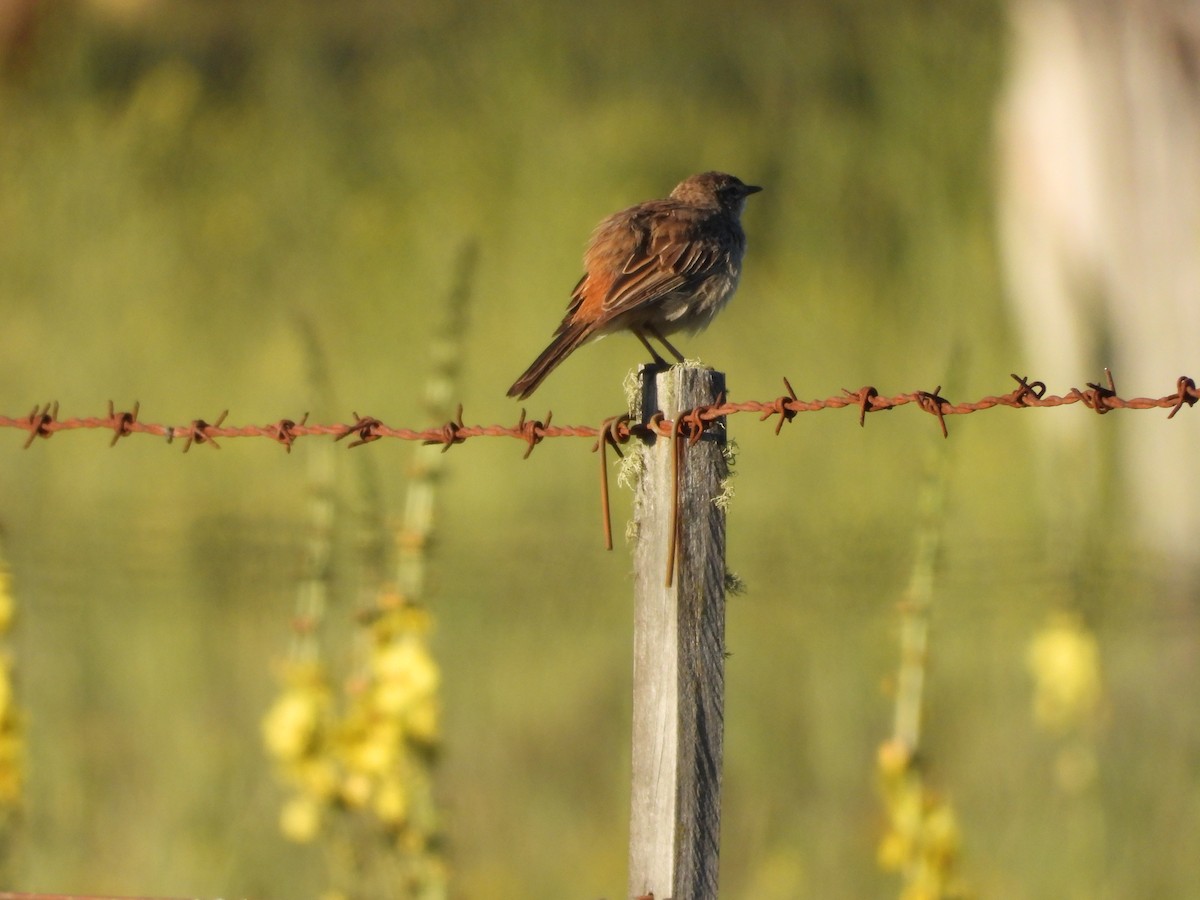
(12, 732)
(297, 733)
(922, 842)
(370, 754)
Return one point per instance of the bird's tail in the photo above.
(569, 336)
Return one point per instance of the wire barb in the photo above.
(284, 431)
(865, 397)
(40, 422)
(1097, 397)
(1185, 389)
(450, 432)
(1026, 389)
(122, 423)
(200, 432)
(532, 431)
(367, 429)
(933, 404)
(783, 406)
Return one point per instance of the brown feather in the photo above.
(569, 336)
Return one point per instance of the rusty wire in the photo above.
(44, 422)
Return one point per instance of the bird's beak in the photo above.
(749, 189)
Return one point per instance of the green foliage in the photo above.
(179, 183)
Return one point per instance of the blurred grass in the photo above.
(179, 181)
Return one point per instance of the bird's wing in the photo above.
(650, 255)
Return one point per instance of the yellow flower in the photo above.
(406, 673)
(291, 725)
(1064, 660)
(893, 851)
(893, 758)
(317, 777)
(300, 819)
(373, 752)
(941, 835)
(356, 790)
(391, 802)
(8, 608)
(424, 721)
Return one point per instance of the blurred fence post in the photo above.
(679, 650)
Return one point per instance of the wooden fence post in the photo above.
(679, 651)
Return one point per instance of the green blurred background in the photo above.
(182, 182)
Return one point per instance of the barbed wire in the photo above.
(44, 422)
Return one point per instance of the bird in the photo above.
(654, 269)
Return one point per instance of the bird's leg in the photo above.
(658, 360)
(662, 340)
